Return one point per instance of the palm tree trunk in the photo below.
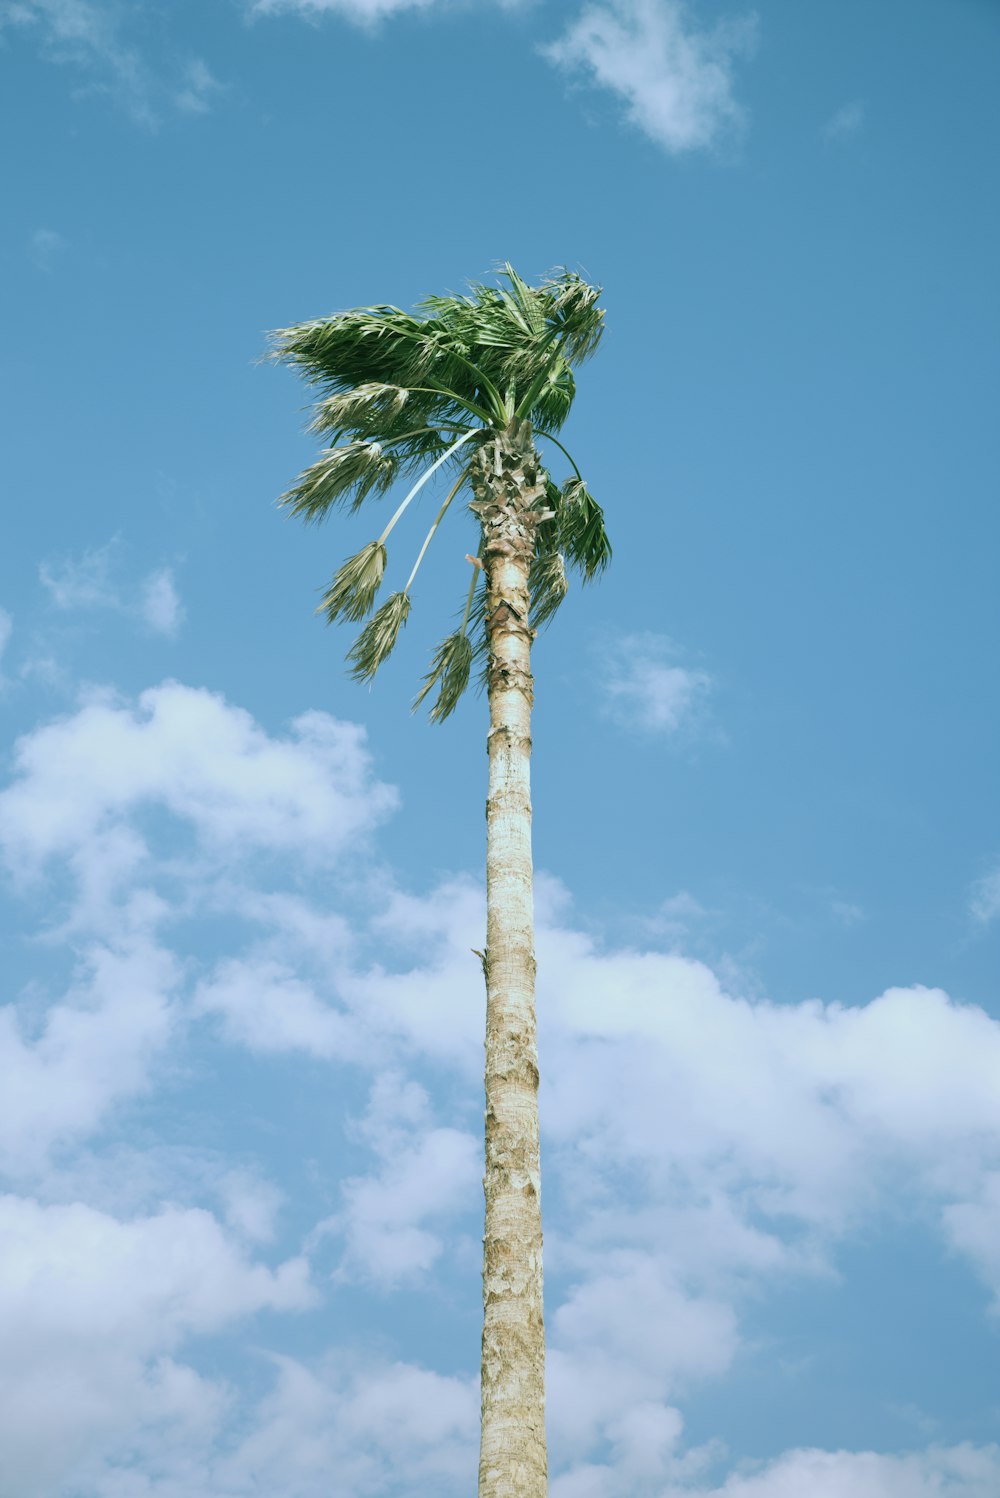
(509, 486)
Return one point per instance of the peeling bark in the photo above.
(509, 488)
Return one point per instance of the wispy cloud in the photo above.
(43, 247)
(93, 580)
(6, 629)
(847, 121)
(645, 687)
(198, 89)
(361, 12)
(675, 81)
(985, 903)
(93, 37)
(159, 604)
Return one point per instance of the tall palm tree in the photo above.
(467, 384)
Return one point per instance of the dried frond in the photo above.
(375, 642)
(352, 591)
(450, 667)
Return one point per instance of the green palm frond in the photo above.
(548, 584)
(457, 358)
(375, 642)
(352, 591)
(582, 535)
(402, 393)
(450, 670)
(348, 473)
(371, 406)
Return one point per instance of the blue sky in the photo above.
(241, 1040)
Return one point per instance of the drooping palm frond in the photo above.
(450, 669)
(548, 584)
(346, 474)
(582, 535)
(375, 642)
(399, 394)
(352, 591)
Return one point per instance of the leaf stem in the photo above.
(437, 521)
(421, 481)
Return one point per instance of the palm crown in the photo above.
(407, 394)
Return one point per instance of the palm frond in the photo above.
(370, 406)
(375, 642)
(352, 591)
(349, 472)
(450, 670)
(582, 535)
(548, 584)
(456, 356)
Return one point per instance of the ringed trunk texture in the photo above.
(510, 488)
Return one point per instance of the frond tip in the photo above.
(375, 642)
(451, 666)
(352, 591)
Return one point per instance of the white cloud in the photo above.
(250, 1205)
(90, 581)
(676, 82)
(985, 903)
(645, 688)
(974, 1228)
(92, 1308)
(6, 630)
(375, 1426)
(159, 604)
(699, 1145)
(93, 1049)
(362, 12)
(91, 35)
(266, 1007)
(82, 582)
(207, 763)
(198, 88)
(426, 1173)
(845, 122)
(941, 1472)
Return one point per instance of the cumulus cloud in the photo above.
(92, 1049)
(263, 1005)
(942, 1472)
(425, 1174)
(675, 81)
(92, 1309)
(700, 1145)
(646, 688)
(80, 778)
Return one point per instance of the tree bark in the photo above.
(509, 486)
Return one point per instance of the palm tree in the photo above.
(467, 384)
